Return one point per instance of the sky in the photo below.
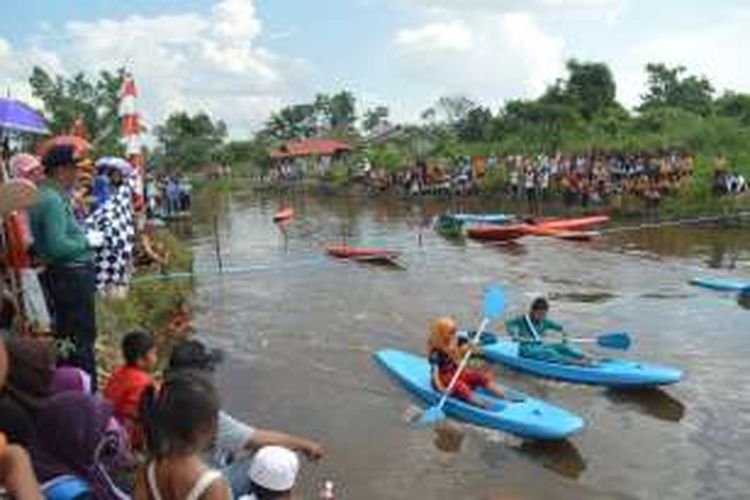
(239, 60)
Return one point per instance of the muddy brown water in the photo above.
(300, 329)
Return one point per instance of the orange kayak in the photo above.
(372, 255)
(574, 224)
(559, 228)
(283, 214)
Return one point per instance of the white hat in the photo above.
(274, 468)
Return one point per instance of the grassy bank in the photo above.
(147, 306)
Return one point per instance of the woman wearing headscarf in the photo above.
(26, 370)
(90, 448)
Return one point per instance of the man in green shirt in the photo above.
(67, 252)
(529, 330)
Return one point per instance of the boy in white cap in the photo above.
(272, 473)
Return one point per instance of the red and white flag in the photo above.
(131, 134)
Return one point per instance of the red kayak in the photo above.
(283, 214)
(497, 233)
(362, 254)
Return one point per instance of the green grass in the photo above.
(147, 306)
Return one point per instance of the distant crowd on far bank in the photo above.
(591, 179)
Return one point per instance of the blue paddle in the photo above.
(494, 305)
(614, 340)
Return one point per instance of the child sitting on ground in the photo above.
(128, 382)
(445, 354)
(273, 473)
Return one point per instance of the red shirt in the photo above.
(124, 390)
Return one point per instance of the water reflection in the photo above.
(722, 248)
(743, 299)
(561, 457)
(513, 248)
(448, 437)
(585, 298)
(650, 401)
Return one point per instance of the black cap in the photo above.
(540, 304)
(63, 155)
(194, 355)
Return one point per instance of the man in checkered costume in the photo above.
(115, 219)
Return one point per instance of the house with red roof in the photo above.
(308, 156)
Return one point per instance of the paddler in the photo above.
(445, 352)
(530, 329)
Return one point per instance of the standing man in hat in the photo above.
(67, 252)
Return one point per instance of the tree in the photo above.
(245, 156)
(476, 125)
(453, 109)
(374, 117)
(590, 87)
(190, 142)
(667, 87)
(95, 102)
(293, 122)
(342, 109)
(735, 105)
(325, 114)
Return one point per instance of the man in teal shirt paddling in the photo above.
(529, 330)
(67, 252)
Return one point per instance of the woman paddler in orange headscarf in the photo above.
(445, 352)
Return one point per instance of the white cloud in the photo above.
(190, 61)
(713, 52)
(489, 56)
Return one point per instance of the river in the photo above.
(300, 328)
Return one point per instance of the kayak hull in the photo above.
(497, 233)
(722, 285)
(621, 373)
(528, 419)
(283, 215)
(347, 252)
(448, 226)
(563, 234)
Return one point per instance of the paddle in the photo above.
(614, 340)
(493, 304)
(617, 340)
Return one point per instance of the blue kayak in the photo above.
(722, 285)
(606, 372)
(526, 417)
(483, 218)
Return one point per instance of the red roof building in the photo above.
(310, 147)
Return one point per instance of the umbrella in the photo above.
(15, 115)
(121, 164)
(80, 144)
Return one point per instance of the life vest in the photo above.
(18, 241)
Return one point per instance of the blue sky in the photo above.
(241, 59)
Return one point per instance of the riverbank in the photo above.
(148, 305)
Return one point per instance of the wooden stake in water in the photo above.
(217, 244)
